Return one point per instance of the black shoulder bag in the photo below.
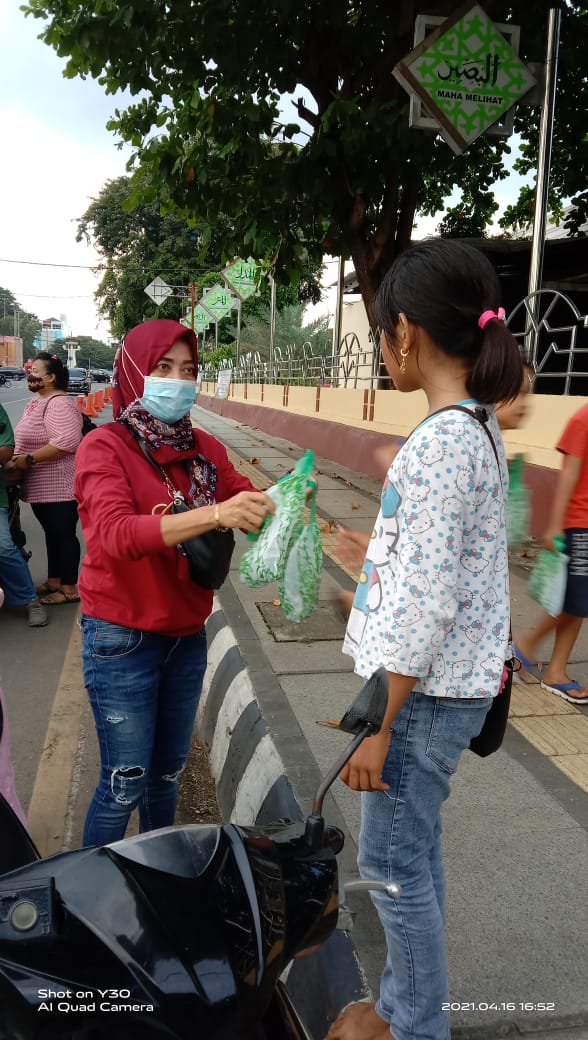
(209, 554)
(491, 735)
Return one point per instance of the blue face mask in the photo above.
(168, 399)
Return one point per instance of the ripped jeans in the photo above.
(144, 690)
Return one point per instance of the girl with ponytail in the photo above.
(432, 607)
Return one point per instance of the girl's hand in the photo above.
(246, 510)
(363, 772)
(351, 547)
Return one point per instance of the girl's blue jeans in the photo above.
(144, 690)
(400, 840)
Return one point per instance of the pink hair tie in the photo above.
(488, 315)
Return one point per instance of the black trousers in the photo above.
(59, 521)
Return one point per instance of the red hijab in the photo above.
(138, 355)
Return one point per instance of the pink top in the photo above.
(57, 421)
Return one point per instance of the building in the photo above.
(51, 329)
(11, 350)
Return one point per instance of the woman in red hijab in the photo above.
(144, 644)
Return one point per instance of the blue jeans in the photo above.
(15, 576)
(144, 690)
(400, 840)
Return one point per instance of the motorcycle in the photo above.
(183, 932)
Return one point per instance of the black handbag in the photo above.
(209, 554)
(491, 735)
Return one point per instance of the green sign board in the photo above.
(466, 75)
(241, 276)
(218, 301)
(202, 318)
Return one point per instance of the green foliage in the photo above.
(342, 173)
(289, 332)
(462, 222)
(28, 323)
(138, 242)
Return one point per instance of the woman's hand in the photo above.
(246, 510)
(351, 547)
(363, 772)
(17, 464)
(547, 539)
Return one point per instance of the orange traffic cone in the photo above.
(99, 400)
(108, 394)
(81, 402)
(90, 410)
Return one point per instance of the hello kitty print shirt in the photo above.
(433, 595)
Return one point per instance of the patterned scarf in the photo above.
(168, 442)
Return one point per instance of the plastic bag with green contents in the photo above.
(300, 582)
(266, 560)
(547, 584)
(517, 504)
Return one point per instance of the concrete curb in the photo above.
(253, 787)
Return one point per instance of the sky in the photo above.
(57, 155)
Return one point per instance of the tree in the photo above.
(289, 332)
(137, 243)
(344, 174)
(28, 324)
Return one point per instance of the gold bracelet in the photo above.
(217, 514)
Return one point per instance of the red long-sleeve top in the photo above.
(129, 576)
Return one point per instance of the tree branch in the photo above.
(305, 113)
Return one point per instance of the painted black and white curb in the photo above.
(253, 787)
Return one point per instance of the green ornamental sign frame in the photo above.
(218, 301)
(242, 276)
(466, 75)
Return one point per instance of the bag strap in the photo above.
(117, 427)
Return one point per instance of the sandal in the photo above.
(533, 670)
(564, 689)
(59, 596)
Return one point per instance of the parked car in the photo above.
(79, 381)
(100, 375)
(3, 379)
(12, 372)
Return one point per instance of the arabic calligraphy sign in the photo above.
(466, 75)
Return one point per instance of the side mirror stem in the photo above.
(315, 823)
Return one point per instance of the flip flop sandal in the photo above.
(58, 597)
(563, 690)
(526, 666)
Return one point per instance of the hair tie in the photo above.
(487, 316)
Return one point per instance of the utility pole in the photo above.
(193, 290)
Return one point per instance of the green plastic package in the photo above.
(547, 584)
(266, 560)
(517, 504)
(300, 582)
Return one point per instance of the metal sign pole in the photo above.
(543, 171)
(339, 308)
(238, 329)
(272, 319)
(544, 155)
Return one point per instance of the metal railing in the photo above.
(551, 331)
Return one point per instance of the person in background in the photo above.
(47, 438)
(569, 517)
(15, 575)
(143, 636)
(432, 608)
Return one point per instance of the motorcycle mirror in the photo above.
(369, 707)
(364, 718)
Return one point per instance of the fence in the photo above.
(551, 331)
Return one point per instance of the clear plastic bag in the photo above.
(265, 561)
(300, 582)
(517, 504)
(547, 584)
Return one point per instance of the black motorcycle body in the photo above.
(180, 933)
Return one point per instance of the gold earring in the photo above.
(404, 352)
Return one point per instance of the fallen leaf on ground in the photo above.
(355, 505)
(254, 461)
(327, 528)
(276, 602)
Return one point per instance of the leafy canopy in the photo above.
(340, 171)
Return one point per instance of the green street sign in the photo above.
(202, 318)
(241, 276)
(218, 301)
(466, 75)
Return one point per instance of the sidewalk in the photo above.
(516, 825)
